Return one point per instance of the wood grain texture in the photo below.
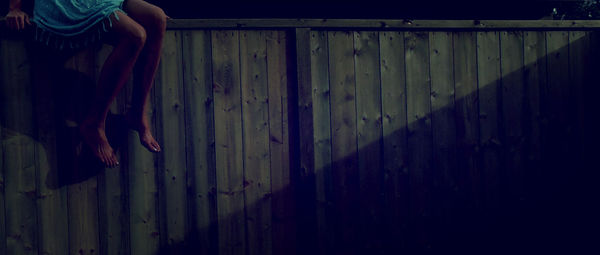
(534, 56)
(200, 141)
(369, 138)
(19, 147)
(467, 134)
(171, 134)
(52, 198)
(343, 139)
(580, 66)
(419, 144)
(2, 203)
(490, 95)
(395, 130)
(2, 200)
(445, 177)
(143, 196)
(305, 188)
(83, 195)
(143, 191)
(513, 100)
(255, 119)
(284, 233)
(228, 142)
(113, 204)
(555, 108)
(321, 103)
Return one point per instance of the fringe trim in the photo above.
(60, 42)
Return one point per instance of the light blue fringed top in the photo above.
(73, 23)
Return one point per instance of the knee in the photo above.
(137, 38)
(157, 21)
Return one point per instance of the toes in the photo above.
(156, 146)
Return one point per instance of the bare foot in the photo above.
(95, 138)
(143, 129)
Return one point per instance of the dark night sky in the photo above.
(416, 9)
(380, 9)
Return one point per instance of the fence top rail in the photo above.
(386, 24)
(391, 24)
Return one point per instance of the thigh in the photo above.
(147, 14)
(124, 27)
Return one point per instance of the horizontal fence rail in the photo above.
(403, 24)
(286, 136)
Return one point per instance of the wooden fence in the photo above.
(307, 137)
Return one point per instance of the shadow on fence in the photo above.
(543, 208)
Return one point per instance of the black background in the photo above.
(457, 9)
(360, 9)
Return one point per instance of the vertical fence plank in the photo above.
(255, 119)
(467, 137)
(489, 77)
(83, 195)
(305, 186)
(394, 126)
(200, 137)
(555, 111)
(228, 142)
(419, 142)
(535, 79)
(52, 198)
(143, 193)
(2, 203)
(444, 133)
(579, 74)
(171, 134)
(322, 140)
(343, 126)
(513, 100)
(579, 180)
(369, 138)
(279, 144)
(112, 183)
(142, 185)
(19, 149)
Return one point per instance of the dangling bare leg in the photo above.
(154, 21)
(129, 40)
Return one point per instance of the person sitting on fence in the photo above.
(136, 30)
